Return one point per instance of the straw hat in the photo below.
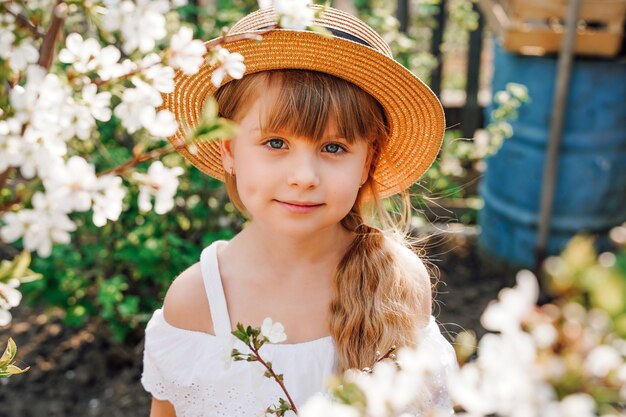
(355, 53)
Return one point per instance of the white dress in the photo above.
(193, 370)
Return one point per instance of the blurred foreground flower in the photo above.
(229, 64)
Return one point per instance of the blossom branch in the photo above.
(278, 378)
(273, 333)
(389, 355)
(137, 159)
(50, 38)
(24, 22)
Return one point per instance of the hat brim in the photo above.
(414, 113)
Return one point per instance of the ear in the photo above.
(226, 150)
(367, 166)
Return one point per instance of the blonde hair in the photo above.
(376, 296)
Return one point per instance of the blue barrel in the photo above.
(590, 194)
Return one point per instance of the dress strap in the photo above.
(215, 290)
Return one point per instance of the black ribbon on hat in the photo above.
(338, 33)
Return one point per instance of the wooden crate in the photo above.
(536, 27)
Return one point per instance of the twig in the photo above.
(224, 39)
(27, 24)
(388, 355)
(50, 38)
(3, 179)
(4, 176)
(137, 159)
(271, 371)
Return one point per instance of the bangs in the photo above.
(307, 101)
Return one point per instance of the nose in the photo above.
(304, 170)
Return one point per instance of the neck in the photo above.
(286, 255)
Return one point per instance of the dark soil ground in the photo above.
(79, 373)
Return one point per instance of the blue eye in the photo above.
(275, 143)
(334, 148)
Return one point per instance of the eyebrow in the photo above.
(333, 136)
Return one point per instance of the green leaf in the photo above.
(210, 109)
(5, 270)
(320, 30)
(14, 370)
(9, 352)
(21, 264)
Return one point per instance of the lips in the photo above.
(302, 203)
(300, 207)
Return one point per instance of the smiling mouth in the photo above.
(300, 207)
(300, 204)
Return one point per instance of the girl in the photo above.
(327, 128)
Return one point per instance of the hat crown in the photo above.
(342, 24)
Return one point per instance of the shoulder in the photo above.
(186, 305)
(414, 270)
(409, 260)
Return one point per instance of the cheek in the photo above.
(248, 190)
(344, 191)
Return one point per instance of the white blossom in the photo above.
(602, 360)
(513, 304)
(39, 153)
(39, 227)
(574, 405)
(7, 37)
(227, 359)
(9, 297)
(504, 380)
(379, 389)
(45, 104)
(229, 63)
(502, 97)
(98, 104)
(187, 53)
(134, 103)
(544, 334)
(10, 143)
(294, 14)
(161, 124)
(275, 332)
(80, 53)
(141, 22)
(107, 63)
(160, 76)
(23, 55)
(450, 165)
(108, 198)
(72, 184)
(320, 405)
(160, 182)
(81, 121)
